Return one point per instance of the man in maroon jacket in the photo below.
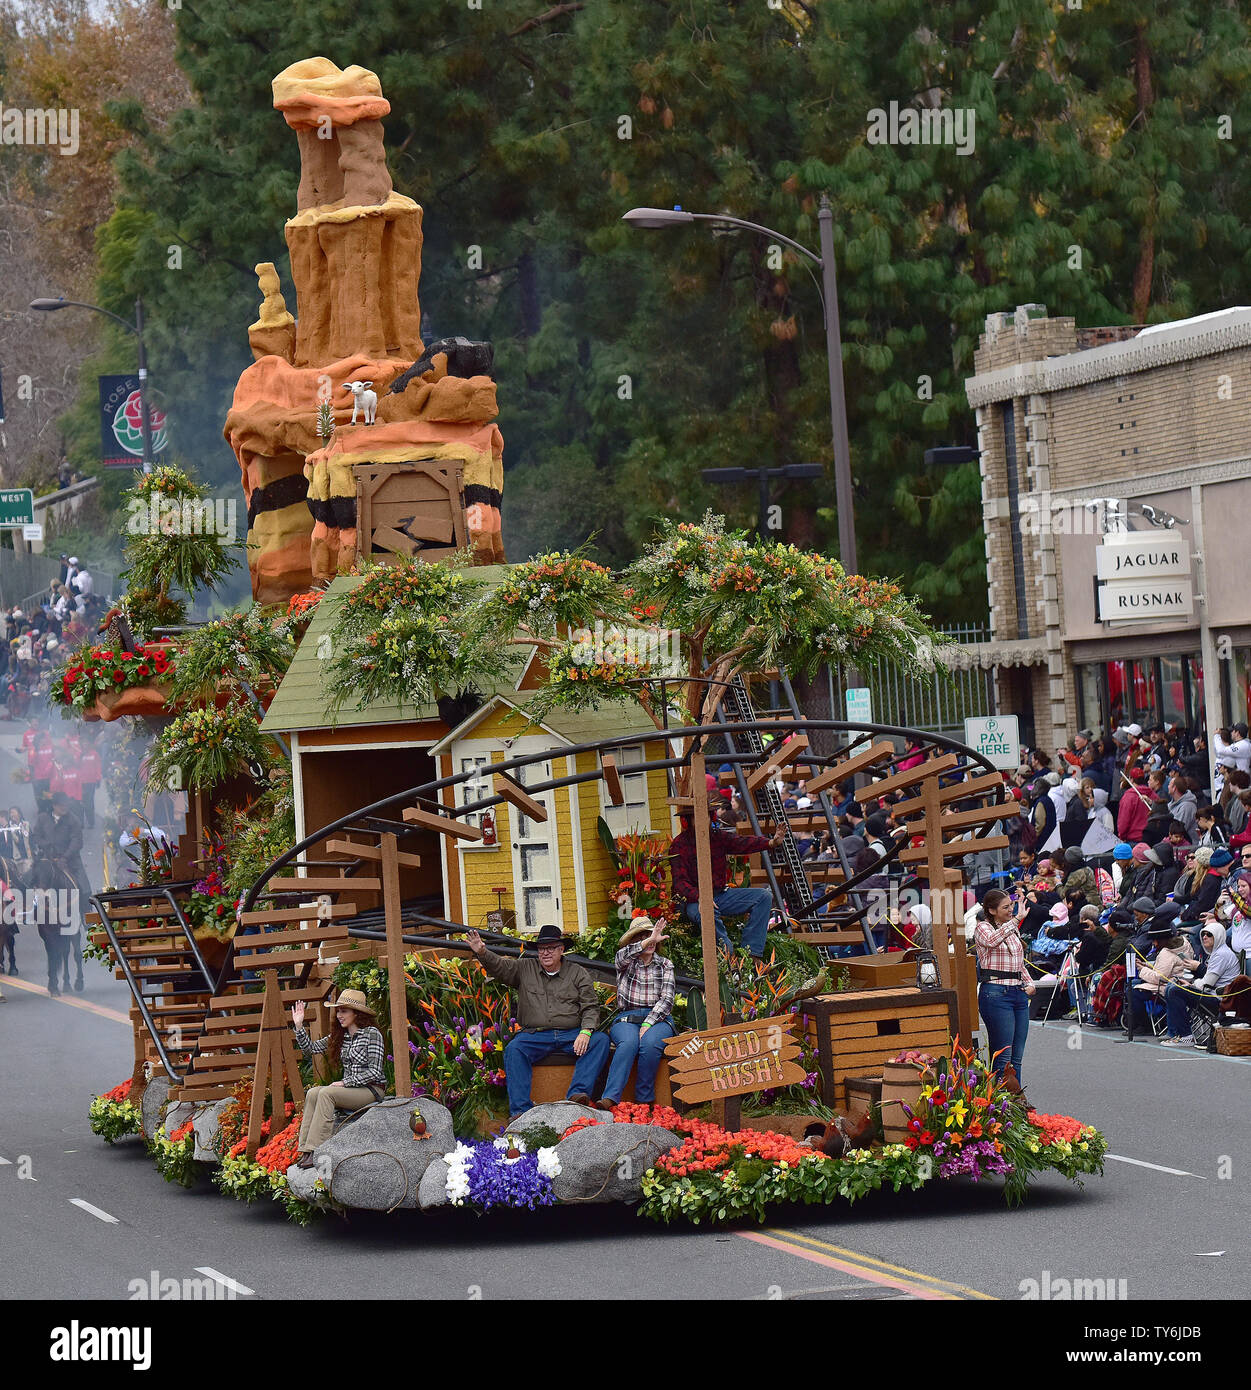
(728, 902)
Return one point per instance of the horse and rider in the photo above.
(57, 843)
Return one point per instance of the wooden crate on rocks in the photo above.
(855, 1032)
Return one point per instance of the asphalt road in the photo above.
(80, 1220)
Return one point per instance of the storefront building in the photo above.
(1116, 490)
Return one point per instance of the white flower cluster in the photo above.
(457, 1185)
(549, 1162)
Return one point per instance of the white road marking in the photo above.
(1198, 1254)
(9, 1161)
(1159, 1168)
(95, 1211)
(224, 1279)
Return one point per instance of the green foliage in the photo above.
(204, 747)
(245, 646)
(258, 832)
(413, 633)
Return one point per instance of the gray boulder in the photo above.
(177, 1114)
(152, 1106)
(606, 1163)
(560, 1114)
(206, 1130)
(432, 1190)
(372, 1162)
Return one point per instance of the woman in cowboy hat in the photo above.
(645, 991)
(360, 1050)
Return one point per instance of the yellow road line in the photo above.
(65, 999)
(880, 1271)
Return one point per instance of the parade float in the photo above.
(447, 741)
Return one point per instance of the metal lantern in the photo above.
(927, 970)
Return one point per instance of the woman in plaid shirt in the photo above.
(645, 989)
(356, 1045)
(1003, 982)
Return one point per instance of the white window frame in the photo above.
(635, 816)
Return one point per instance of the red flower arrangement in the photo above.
(96, 671)
(120, 1093)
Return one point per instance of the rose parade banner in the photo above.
(121, 423)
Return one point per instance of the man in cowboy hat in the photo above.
(358, 1045)
(558, 1012)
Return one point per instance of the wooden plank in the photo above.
(858, 762)
(308, 935)
(206, 1062)
(930, 768)
(445, 825)
(693, 1040)
(296, 914)
(777, 758)
(395, 978)
(827, 938)
(846, 1062)
(953, 849)
(515, 794)
(429, 526)
(362, 851)
(786, 1047)
(395, 541)
(321, 885)
(761, 1074)
(250, 958)
(707, 919)
(957, 791)
(980, 815)
(213, 1025)
(612, 779)
(934, 1030)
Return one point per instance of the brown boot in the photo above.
(305, 1160)
(581, 1098)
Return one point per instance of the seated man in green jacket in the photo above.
(558, 1012)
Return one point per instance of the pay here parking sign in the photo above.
(997, 738)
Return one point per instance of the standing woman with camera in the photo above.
(1004, 985)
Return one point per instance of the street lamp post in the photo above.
(671, 217)
(50, 305)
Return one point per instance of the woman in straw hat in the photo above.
(355, 1044)
(645, 992)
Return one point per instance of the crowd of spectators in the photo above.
(1130, 858)
(37, 636)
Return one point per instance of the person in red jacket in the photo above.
(727, 902)
(42, 766)
(1134, 810)
(90, 771)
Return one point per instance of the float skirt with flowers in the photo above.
(963, 1125)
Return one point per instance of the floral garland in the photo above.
(555, 590)
(243, 646)
(95, 671)
(204, 747)
(113, 1115)
(500, 1173)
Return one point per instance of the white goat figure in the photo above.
(362, 399)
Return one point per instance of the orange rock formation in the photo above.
(355, 247)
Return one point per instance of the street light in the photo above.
(947, 455)
(51, 305)
(762, 476)
(656, 218)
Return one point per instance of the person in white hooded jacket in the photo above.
(1060, 797)
(1203, 993)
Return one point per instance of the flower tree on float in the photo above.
(730, 605)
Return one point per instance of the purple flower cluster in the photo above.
(977, 1158)
(494, 1181)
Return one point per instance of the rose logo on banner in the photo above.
(121, 422)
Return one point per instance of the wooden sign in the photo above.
(737, 1060)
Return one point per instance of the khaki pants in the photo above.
(320, 1103)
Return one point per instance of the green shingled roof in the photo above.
(303, 699)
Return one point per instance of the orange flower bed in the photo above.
(281, 1152)
(119, 1093)
(708, 1146)
(1056, 1127)
(181, 1132)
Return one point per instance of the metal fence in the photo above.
(937, 704)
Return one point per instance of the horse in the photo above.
(60, 948)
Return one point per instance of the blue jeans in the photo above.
(627, 1045)
(733, 902)
(1005, 1012)
(533, 1045)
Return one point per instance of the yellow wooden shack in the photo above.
(555, 871)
